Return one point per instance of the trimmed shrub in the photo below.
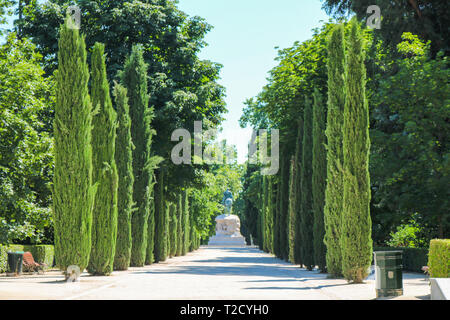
(439, 258)
(3, 258)
(413, 259)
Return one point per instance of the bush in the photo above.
(439, 258)
(413, 259)
(408, 235)
(3, 258)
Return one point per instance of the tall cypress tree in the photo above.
(356, 223)
(180, 221)
(292, 200)
(306, 215)
(319, 166)
(186, 229)
(73, 189)
(124, 162)
(104, 223)
(334, 191)
(173, 227)
(284, 207)
(276, 215)
(161, 219)
(134, 78)
(296, 218)
(150, 256)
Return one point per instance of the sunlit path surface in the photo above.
(208, 273)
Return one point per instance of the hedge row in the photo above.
(413, 258)
(41, 254)
(439, 258)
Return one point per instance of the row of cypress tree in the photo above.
(315, 212)
(107, 215)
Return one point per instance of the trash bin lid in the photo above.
(388, 253)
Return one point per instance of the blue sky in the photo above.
(243, 39)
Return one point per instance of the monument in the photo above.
(228, 226)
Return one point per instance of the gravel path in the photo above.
(208, 273)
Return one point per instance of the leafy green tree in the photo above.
(104, 222)
(124, 162)
(423, 17)
(356, 241)
(134, 78)
(335, 157)
(410, 150)
(73, 188)
(26, 147)
(319, 176)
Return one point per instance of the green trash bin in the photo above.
(15, 261)
(388, 273)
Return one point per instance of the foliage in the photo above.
(319, 176)
(423, 17)
(306, 214)
(73, 188)
(356, 240)
(124, 161)
(26, 147)
(335, 155)
(409, 235)
(410, 153)
(173, 227)
(104, 222)
(134, 78)
(161, 218)
(439, 258)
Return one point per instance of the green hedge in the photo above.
(41, 253)
(439, 258)
(3, 258)
(413, 258)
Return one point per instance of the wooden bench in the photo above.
(29, 265)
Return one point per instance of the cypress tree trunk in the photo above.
(296, 213)
(134, 78)
(356, 224)
(319, 179)
(173, 227)
(306, 218)
(150, 256)
(186, 229)
(160, 218)
(124, 162)
(180, 221)
(104, 223)
(73, 190)
(334, 192)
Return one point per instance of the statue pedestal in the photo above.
(228, 232)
